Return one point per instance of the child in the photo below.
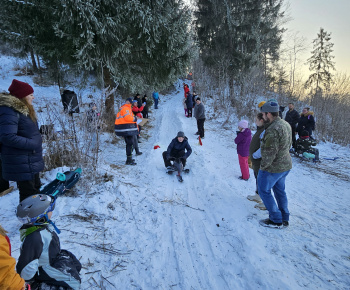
(243, 139)
(92, 124)
(9, 279)
(42, 261)
(304, 143)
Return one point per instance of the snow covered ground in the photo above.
(142, 229)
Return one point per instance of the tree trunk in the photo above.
(35, 68)
(109, 113)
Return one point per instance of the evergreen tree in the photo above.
(240, 33)
(320, 63)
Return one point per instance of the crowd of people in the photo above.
(42, 262)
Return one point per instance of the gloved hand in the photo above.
(144, 104)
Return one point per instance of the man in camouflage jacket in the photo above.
(275, 166)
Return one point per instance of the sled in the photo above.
(7, 191)
(63, 182)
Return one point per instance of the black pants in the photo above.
(29, 187)
(4, 184)
(293, 136)
(129, 141)
(200, 126)
(189, 112)
(173, 155)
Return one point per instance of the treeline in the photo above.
(242, 61)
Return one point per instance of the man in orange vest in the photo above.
(126, 126)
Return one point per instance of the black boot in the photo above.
(130, 161)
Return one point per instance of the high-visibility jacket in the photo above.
(125, 123)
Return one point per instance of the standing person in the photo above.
(139, 100)
(41, 260)
(126, 126)
(178, 148)
(275, 166)
(199, 114)
(145, 107)
(155, 96)
(92, 125)
(20, 138)
(9, 279)
(255, 146)
(292, 117)
(185, 106)
(306, 122)
(186, 90)
(243, 139)
(189, 105)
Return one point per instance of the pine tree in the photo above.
(320, 63)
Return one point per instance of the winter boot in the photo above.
(260, 206)
(270, 224)
(255, 198)
(130, 161)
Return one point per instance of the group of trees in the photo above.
(138, 45)
(134, 44)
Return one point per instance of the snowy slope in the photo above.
(142, 229)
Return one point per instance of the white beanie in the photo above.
(243, 124)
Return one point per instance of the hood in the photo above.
(7, 100)
(246, 132)
(307, 114)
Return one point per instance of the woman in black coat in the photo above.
(21, 142)
(306, 122)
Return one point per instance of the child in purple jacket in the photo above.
(244, 136)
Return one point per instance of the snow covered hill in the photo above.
(142, 229)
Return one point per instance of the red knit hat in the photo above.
(20, 89)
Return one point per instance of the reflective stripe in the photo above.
(128, 114)
(125, 130)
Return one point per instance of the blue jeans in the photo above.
(275, 181)
(156, 103)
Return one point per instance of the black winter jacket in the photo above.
(21, 142)
(292, 117)
(175, 147)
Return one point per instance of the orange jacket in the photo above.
(9, 279)
(125, 123)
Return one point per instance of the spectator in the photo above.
(306, 122)
(185, 106)
(9, 279)
(292, 117)
(189, 105)
(139, 100)
(145, 106)
(243, 139)
(199, 114)
(155, 96)
(255, 146)
(275, 166)
(126, 126)
(41, 260)
(20, 137)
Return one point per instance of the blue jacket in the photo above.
(155, 95)
(21, 142)
(189, 101)
(175, 147)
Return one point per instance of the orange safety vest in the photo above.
(125, 122)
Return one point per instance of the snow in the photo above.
(142, 229)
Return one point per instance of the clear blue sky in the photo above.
(333, 16)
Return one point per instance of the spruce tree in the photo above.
(320, 63)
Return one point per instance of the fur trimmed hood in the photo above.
(7, 100)
(307, 114)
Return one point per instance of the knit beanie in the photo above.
(20, 89)
(243, 124)
(269, 107)
(180, 134)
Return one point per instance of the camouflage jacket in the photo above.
(275, 145)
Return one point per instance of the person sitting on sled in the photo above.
(42, 262)
(178, 148)
(305, 143)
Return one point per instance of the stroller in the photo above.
(304, 147)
